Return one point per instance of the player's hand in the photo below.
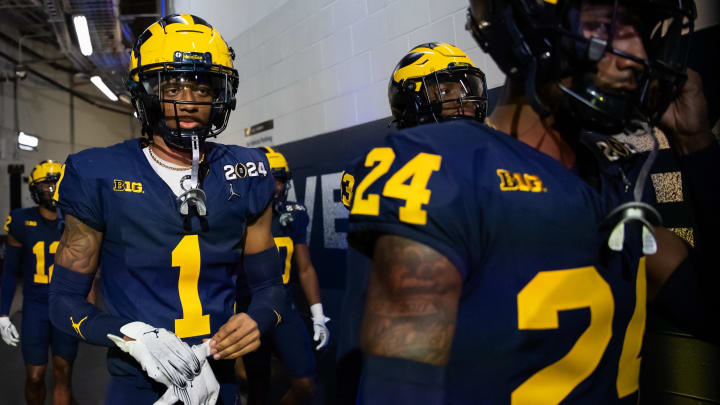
(164, 357)
(239, 336)
(202, 390)
(285, 218)
(9, 332)
(686, 118)
(322, 334)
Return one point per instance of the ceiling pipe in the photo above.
(12, 41)
(81, 96)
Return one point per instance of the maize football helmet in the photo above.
(177, 53)
(436, 82)
(279, 169)
(43, 181)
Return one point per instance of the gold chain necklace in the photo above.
(157, 160)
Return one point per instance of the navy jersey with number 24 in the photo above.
(548, 314)
(154, 269)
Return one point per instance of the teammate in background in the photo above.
(175, 220)
(514, 265)
(433, 82)
(290, 340)
(33, 237)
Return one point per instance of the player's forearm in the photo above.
(411, 304)
(309, 282)
(409, 324)
(263, 271)
(10, 268)
(79, 247)
(70, 311)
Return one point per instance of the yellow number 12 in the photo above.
(39, 251)
(186, 256)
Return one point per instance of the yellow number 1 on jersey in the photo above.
(416, 194)
(186, 256)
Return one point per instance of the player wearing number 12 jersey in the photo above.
(514, 265)
(33, 237)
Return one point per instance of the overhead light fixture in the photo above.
(83, 34)
(27, 141)
(98, 82)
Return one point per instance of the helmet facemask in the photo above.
(161, 106)
(457, 92)
(42, 191)
(284, 177)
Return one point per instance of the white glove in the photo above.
(203, 390)
(319, 319)
(285, 218)
(164, 357)
(9, 333)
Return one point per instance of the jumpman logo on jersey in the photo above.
(232, 193)
(76, 326)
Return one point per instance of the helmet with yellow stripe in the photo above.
(436, 82)
(42, 182)
(181, 62)
(279, 169)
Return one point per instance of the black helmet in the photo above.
(543, 41)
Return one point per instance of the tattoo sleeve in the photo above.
(79, 247)
(412, 302)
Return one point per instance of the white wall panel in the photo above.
(370, 31)
(354, 74)
(337, 47)
(339, 112)
(439, 31)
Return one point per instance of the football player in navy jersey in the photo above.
(434, 82)
(513, 264)
(33, 237)
(175, 220)
(290, 340)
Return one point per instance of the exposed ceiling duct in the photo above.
(113, 26)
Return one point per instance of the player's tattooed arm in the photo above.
(12, 241)
(412, 302)
(79, 248)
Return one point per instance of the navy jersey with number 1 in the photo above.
(157, 267)
(548, 313)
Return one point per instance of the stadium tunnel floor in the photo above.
(90, 375)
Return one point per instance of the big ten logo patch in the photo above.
(128, 186)
(510, 181)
